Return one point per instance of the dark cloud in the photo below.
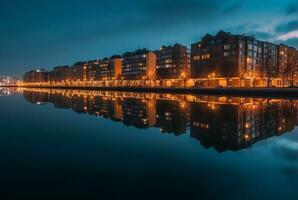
(232, 9)
(63, 31)
(175, 12)
(292, 9)
(260, 35)
(287, 27)
(292, 42)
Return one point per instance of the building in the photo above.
(59, 74)
(220, 56)
(78, 71)
(91, 68)
(36, 76)
(287, 64)
(233, 60)
(109, 68)
(7, 80)
(270, 64)
(172, 62)
(139, 65)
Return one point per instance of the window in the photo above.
(227, 54)
(227, 46)
(197, 57)
(249, 46)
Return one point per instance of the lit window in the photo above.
(197, 57)
(227, 46)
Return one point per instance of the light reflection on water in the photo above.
(224, 123)
(144, 145)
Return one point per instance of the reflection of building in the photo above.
(139, 113)
(233, 127)
(7, 91)
(139, 65)
(172, 116)
(223, 123)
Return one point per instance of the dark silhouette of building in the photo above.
(36, 76)
(172, 62)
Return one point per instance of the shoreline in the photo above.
(245, 92)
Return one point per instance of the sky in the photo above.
(48, 33)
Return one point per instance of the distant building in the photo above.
(139, 65)
(7, 80)
(59, 74)
(109, 68)
(91, 67)
(78, 71)
(172, 62)
(36, 76)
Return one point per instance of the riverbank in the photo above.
(246, 92)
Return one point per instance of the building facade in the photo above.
(36, 76)
(78, 71)
(237, 60)
(110, 68)
(172, 62)
(139, 65)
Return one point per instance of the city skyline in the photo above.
(39, 39)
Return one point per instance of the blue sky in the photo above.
(48, 33)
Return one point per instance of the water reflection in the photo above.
(223, 123)
(7, 91)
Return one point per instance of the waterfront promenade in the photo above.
(249, 92)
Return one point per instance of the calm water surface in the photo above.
(109, 145)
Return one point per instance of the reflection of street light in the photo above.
(183, 76)
(212, 76)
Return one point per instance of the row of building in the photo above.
(223, 59)
(7, 81)
(223, 123)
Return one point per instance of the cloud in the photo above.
(292, 9)
(232, 9)
(287, 27)
(260, 35)
(287, 36)
(292, 42)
